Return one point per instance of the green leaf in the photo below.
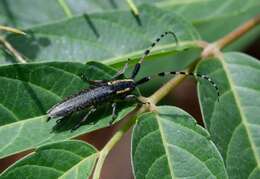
(26, 13)
(27, 91)
(209, 16)
(110, 37)
(63, 160)
(169, 144)
(29, 12)
(234, 122)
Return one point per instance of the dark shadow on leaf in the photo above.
(91, 25)
(137, 18)
(69, 122)
(103, 111)
(113, 4)
(28, 45)
(21, 75)
(8, 57)
(8, 13)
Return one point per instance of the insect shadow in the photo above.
(68, 122)
(28, 45)
(112, 91)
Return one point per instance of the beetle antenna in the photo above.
(205, 77)
(147, 51)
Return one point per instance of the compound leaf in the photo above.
(63, 160)
(28, 91)
(208, 16)
(169, 144)
(234, 121)
(110, 37)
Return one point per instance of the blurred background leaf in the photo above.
(208, 16)
(92, 37)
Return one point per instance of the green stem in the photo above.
(133, 7)
(12, 50)
(156, 97)
(11, 29)
(65, 8)
(130, 117)
(214, 49)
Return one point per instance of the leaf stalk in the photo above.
(12, 50)
(208, 49)
(214, 49)
(11, 29)
(65, 8)
(133, 7)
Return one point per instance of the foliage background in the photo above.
(212, 19)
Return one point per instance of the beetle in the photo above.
(114, 90)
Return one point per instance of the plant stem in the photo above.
(65, 8)
(166, 88)
(133, 7)
(213, 49)
(130, 117)
(237, 33)
(10, 48)
(13, 30)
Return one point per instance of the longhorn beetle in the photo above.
(103, 91)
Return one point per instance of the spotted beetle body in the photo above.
(112, 91)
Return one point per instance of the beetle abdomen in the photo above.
(84, 99)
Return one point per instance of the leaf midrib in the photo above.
(165, 145)
(82, 161)
(10, 112)
(240, 109)
(168, 144)
(160, 49)
(173, 3)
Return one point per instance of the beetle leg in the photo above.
(93, 82)
(48, 119)
(59, 121)
(132, 97)
(92, 109)
(114, 115)
(121, 72)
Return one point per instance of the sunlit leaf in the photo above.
(28, 91)
(234, 121)
(169, 144)
(92, 37)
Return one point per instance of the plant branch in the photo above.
(12, 50)
(213, 49)
(237, 33)
(65, 8)
(13, 30)
(209, 49)
(131, 117)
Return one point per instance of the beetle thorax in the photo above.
(124, 86)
